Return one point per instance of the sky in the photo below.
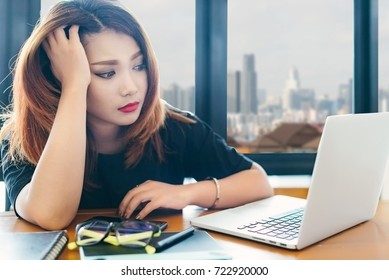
(315, 36)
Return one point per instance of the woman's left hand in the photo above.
(153, 195)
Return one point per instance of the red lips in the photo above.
(130, 107)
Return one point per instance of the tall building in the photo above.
(301, 99)
(233, 92)
(345, 97)
(179, 97)
(292, 85)
(248, 97)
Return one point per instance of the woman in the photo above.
(88, 128)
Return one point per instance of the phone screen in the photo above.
(161, 224)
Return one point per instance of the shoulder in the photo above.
(176, 114)
(183, 128)
(188, 127)
(185, 122)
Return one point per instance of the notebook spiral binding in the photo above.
(58, 247)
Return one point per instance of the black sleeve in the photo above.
(208, 155)
(16, 174)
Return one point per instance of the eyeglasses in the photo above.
(131, 233)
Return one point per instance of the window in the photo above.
(290, 65)
(208, 88)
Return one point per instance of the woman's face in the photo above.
(118, 79)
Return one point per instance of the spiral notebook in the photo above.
(42, 245)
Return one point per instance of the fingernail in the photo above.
(138, 217)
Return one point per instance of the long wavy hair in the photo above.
(36, 92)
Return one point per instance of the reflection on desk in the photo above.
(369, 240)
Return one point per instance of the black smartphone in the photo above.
(168, 239)
(161, 224)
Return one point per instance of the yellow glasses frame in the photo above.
(128, 239)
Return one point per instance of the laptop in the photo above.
(345, 188)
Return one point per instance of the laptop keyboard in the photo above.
(285, 226)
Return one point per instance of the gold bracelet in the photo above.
(217, 198)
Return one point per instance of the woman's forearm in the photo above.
(240, 188)
(52, 197)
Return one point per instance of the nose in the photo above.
(128, 86)
(129, 92)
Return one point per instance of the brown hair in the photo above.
(36, 91)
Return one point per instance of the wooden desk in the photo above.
(369, 240)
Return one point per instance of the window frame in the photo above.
(211, 76)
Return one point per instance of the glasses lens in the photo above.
(98, 225)
(128, 227)
(92, 232)
(134, 233)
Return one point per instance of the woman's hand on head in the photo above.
(152, 195)
(68, 59)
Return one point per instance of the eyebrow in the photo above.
(115, 61)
